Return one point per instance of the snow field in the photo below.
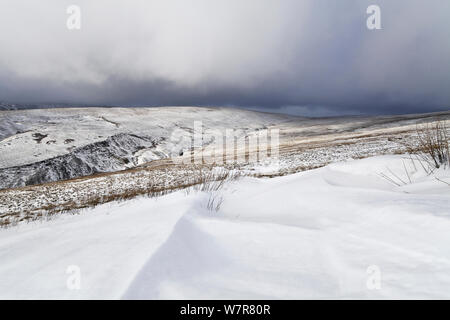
(312, 234)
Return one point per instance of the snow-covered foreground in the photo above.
(308, 235)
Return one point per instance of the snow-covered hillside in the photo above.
(313, 234)
(45, 145)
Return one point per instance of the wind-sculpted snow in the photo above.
(197, 254)
(279, 239)
(313, 234)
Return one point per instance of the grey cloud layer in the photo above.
(267, 54)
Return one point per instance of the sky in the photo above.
(306, 57)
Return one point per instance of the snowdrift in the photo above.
(315, 234)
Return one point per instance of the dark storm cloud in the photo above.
(307, 57)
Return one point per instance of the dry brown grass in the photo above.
(73, 196)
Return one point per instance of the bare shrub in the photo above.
(430, 150)
(433, 141)
(432, 146)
